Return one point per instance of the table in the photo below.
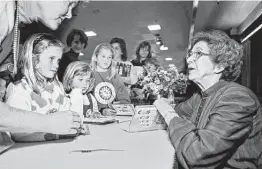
(144, 150)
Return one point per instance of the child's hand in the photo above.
(109, 112)
(96, 115)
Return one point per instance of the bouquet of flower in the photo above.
(162, 81)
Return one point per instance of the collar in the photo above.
(214, 88)
(73, 53)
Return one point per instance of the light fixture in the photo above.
(90, 33)
(81, 54)
(168, 59)
(153, 27)
(158, 42)
(163, 47)
(251, 33)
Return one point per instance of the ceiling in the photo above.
(129, 20)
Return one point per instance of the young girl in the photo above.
(39, 89)
(79, 75)
(108, 85)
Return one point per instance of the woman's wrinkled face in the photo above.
(82, 82)
(199, 62)
(118, 51)
(104, 58)
(49, 60)
(143, 52)
(52, 13)
(77, 45)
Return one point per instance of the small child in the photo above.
(79, 75)
(39, 90)
(109, 87)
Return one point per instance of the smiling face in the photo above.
(52, 13)
(104, 58)
(150, 67)
(143, 52)
(76, 45)
(118, 51)
(49, 61)
(82, 82)
(199, 62)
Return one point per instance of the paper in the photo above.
(124, 109)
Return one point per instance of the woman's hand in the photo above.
(165, 109)
(109, 112)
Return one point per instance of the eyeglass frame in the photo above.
(197, 54)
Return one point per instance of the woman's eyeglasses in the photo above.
(196, 54)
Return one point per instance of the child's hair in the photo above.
(77, 68)
(112, 67)
(143, 45)
(32, 48)
(122, 45)
(153, 61)
(70, 37)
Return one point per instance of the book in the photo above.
(147, 118)
(100, 120)
(124, 109)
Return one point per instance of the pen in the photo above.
(89, 151)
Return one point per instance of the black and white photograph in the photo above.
(114, 84)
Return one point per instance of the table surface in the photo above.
(143, 150)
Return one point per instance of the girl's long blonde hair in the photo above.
(112, 67)
(74, 69)
(31, 50)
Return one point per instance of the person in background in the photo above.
(39, 89)
(11, 118)
(123, 67)
(220, 126)
(76, 41)
(143, 52)
(79, 75)
(108, 85)
(152, 64)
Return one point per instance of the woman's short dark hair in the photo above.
(224, 51)
(143, 45)
(71, 35)
(122, 45)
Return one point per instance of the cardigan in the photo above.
(218, 128)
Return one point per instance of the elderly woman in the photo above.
(220, 126)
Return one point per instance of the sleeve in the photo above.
(95, 106)
(121, 91)
(185, 109)
(19, 98)
(229, 125)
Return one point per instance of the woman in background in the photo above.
(143, 52)
(123, 67)
(77, 41)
